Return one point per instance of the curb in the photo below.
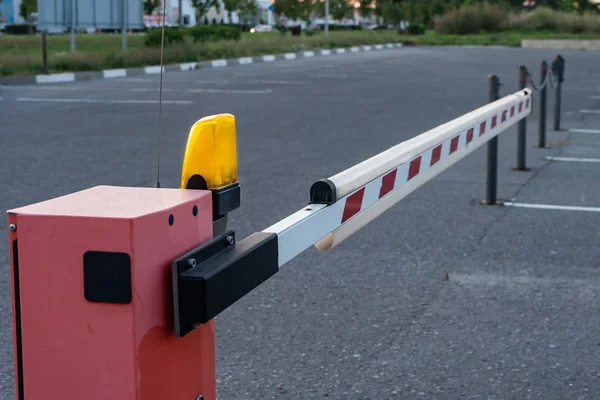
(152, 70)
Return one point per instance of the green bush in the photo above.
(172, 36)
(19, 29)
(472, 19)
(546, 19)
(206, 33)
(416, 28)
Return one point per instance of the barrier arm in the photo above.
(210, 278)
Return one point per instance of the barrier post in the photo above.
(522, 127)
(542, 118)
(491, 182)
(558, 69)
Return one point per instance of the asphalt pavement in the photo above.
(374, 318)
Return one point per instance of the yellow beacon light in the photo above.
(210, 163)
(211, 153)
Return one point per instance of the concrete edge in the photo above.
(189, 66)
(561, 44)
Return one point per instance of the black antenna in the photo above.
(162, 47)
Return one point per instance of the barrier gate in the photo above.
(115, 289)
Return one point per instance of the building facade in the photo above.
(9, 12)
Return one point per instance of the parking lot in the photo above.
(375, 318)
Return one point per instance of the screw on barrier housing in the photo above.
(12, 227)
(491, 182)
(225, 271)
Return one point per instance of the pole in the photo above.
(558, 69)
(542, 120)
(45, 52)
(522, 127)
(181, 13)
(72, 26)
(491, 182)
(326, 18)
(124, 24)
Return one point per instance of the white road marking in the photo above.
(235, 91)
(269, 58)
(40, 87)
(155, 69)
(552, 207)
(219, 63)
(204, 90)
(99, 101)
(573, 159)
(309, 54)
(585, 111)
(585, 130)
(114, 73)
(245, 60)
(290, 56)
(54, 78)
(272, 82)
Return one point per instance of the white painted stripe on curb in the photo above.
(354, 49)
(340, 51)
(155, 69)
(219, 63)
(114, 73)
(367, 48)
(188, 66)
(398, 44)
(585, 130)
(325, 52)
(379, 46)
(290, 56)
(573, 159)
(54, 78)
(309, 54)
(389, 45)
(552, 207)
(269, 58)
(245, 60)
(109, 101)
(590, 111)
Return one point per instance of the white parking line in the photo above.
(99, 101)
(204, 90)
(573, 159)
(272, 82)
(41, 87)
(586, 111)
(552, 207)
(585, 130)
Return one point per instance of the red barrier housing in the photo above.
(92, 297)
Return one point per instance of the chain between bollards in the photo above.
(542, 119)
(522, 127)
(558, 69)
(491, 181)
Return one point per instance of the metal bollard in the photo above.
(522, 127)
(491, 181)
(542, 120)
(558, 69)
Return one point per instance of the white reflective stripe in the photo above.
(357, 176)
(340, 51)
(325, 52)
(219, 63)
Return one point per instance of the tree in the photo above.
(366, 8)
(150, 6)
(201, 7)
(338, 9)
(25, 9)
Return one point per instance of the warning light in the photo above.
(211, 153)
